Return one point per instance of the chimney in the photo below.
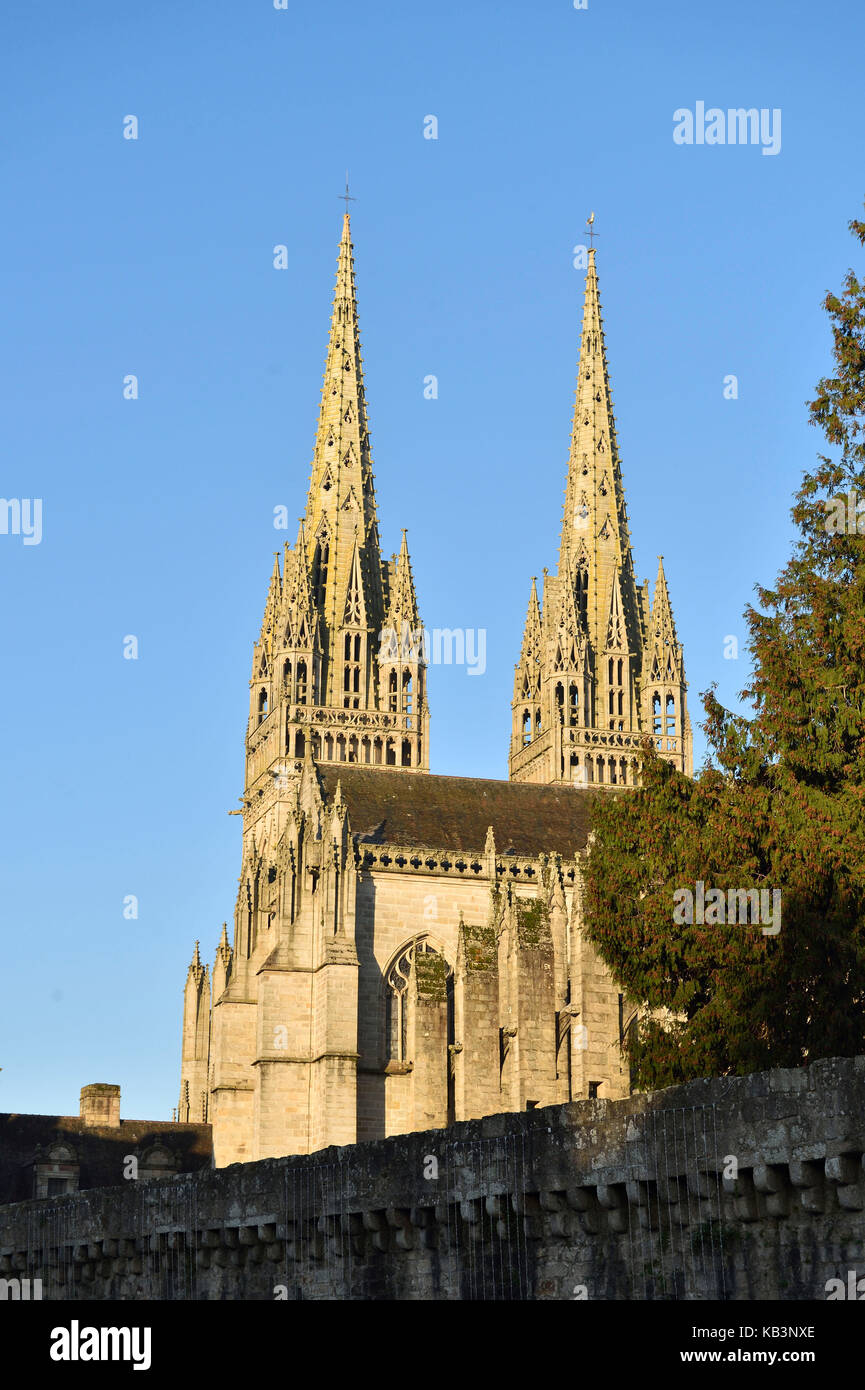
(100, 1105)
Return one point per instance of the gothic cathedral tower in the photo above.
(338, 677)
(339, 666)
(600, 666)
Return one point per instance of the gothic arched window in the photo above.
(582, 592)
(671, 715)
(319, 570)
(396, 993)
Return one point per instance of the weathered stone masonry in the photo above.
(602, 1199)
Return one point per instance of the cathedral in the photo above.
(407, 948)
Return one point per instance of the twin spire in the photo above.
(582, 699)
(321, 655)
(341, 654)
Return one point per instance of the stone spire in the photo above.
(595, 520)
(665, 708)
(319, 687)
(403, 600)
(341, 518)
(579, 713)
(195, 1043)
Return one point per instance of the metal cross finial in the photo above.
(346, 196)
(591, 231)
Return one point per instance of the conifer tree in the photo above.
(780, 803)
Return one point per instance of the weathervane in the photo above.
(346, 196)
(591, 232)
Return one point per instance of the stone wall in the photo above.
(738, 1188)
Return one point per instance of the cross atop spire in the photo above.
(346, 196)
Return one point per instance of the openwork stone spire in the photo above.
(582, 706)
(341, 510)
(322, 682)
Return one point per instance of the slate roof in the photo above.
(100, 1149)
(389, 806)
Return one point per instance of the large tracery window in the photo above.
(396, 994)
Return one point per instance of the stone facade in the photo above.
(740, 1188)
(407, 949)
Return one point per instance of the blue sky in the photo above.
(155, 257)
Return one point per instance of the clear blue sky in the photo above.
(154, 257)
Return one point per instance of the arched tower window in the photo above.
(582, 593)
(527, 727)
(262, 705)
(656, 713)
(392, 693)
(616, 691)
(351, 671)
(301, 682)
(671, 715)
(319, 570)
(573, 706)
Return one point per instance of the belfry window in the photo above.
(527, 727)
(351, 671)
(319, 571)
(262, 706)
(615, 692)
(301, 682)
(656, 713)
(671, 715)
(573, 706)
(392, 693)
(582, 593)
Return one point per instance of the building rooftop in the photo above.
(391, 806)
